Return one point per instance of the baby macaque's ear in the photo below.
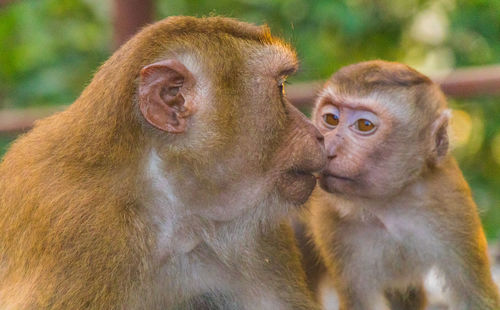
(439, 139)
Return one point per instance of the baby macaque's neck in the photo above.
(420, 198)
(375, 208)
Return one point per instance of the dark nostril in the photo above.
(330, 157)
(315, 132)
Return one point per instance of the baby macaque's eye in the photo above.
(331, 120)
(364, 125)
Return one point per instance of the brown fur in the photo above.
(405, 206)
(78, 218)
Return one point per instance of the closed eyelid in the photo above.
(284, 73)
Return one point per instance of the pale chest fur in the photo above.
(194, 252)
(397, 237)
(184, 221)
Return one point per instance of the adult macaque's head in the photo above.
(220, 124)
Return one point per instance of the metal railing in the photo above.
(461, 83)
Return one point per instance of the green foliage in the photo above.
(327, 34)
(4, 143)
(476, 32)
(50, 48)
(480, 165)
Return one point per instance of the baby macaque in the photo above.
(392, 202)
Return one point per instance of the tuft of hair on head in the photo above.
(186, 25)
(382, 73)
(375, 76)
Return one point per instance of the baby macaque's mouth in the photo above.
(326, 174)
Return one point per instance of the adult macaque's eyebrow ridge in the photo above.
(288, 70)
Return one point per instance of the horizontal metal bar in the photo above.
(461, 83)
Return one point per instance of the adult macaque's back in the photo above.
(164, 184)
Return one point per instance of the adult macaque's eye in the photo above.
(331, 120)
(364, 125)
(281, 86)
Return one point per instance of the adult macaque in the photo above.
(392, 202)
(163, 185)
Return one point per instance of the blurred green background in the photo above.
(49, 50)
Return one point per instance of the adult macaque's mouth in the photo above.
(301, 172)
(297, 185)
(305, 175)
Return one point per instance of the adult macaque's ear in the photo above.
(439, 138)
(163, 88)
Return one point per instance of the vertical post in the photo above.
(128, 17)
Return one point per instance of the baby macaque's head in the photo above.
(384, 125)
